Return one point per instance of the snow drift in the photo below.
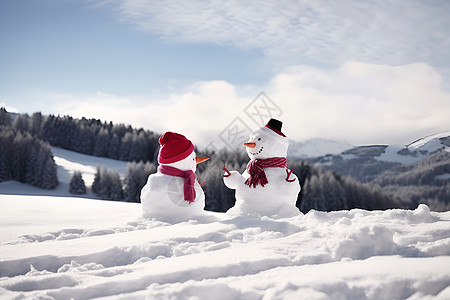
(110, 252)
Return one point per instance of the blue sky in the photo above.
(77, 46)
(361, 71)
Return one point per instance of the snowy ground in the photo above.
(67, 162)
(63, 248)
(55, 246)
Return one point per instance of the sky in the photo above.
(365, 72)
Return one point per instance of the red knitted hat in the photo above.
(174, 147)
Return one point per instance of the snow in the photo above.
(39, 218)
(55, 246)
(444, 176)
(423, 142)
(391, 154)
(64, 248)
(67, 162)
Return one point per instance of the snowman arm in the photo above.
(233, 179)
(201, 183)
(227, 173)
(288, 174)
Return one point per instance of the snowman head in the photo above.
(267, 142)
(178, 152)
(189, 163)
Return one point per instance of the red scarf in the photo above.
(256, 169)
(189, 180)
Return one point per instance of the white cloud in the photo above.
(107, 107)
(200, 111)
(357, 102)
(363, 103)
(327, 32)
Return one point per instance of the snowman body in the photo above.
(163, 196)
(278, 197)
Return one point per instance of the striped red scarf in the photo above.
(256, 170)
(189, 180)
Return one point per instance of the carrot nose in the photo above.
(200, 159)
(250, 145)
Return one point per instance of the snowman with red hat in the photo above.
(173, 193)
(266, 187)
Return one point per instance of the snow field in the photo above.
(356, 254)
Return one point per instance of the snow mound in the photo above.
(356, 254)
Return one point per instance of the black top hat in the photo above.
(275, 125)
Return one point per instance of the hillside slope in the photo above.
(67, 162)
(356, 254)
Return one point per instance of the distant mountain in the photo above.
(316, 148)
(409, 154)
(417, 150)
(416, 173)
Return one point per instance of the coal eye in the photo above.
(259, 139)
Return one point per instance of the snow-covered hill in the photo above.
(417, 150)
(75, 248)
(67, 162)
(409, 154)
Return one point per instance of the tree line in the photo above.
(426, 181)
(87, 136)
(26, 159)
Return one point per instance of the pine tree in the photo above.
(4, 170)
(115, 187)
(312, 196)
(97, 180)
(139, 147)
(107, 184)
(36, 125)
(21, 123)
(32, 169)
(101, 143)
(125, 146)
(6, 150)
(85, 140)
(49, 174)
(114, 147)
(5, 119)
(20, 145)
(49, 130)
(77, 185)
(136, 176)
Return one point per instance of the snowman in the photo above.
(173, 193)
(267, 187)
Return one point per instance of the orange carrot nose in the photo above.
(250, 145)
(200, 159)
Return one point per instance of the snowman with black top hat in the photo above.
(267, 187)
